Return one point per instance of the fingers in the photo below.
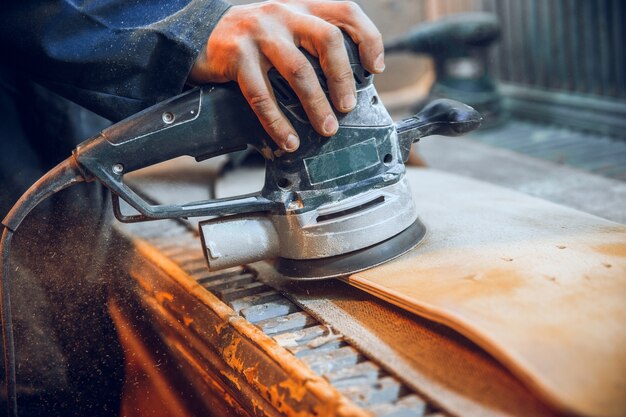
(299, 73)
(256, 88)
(326, 41)
(348, 16)
(250, 39)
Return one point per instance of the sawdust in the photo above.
(267, 153)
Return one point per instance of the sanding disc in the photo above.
(349, 263)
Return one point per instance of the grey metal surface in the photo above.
(235, 240)
(555, 56)
(323, 349)
(332, 229)
(572, 187)
(598, 154)
(574, 46)
(356, 261)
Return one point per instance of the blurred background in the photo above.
(549, 76)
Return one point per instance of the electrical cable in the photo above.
(7, 325)
(64, 175)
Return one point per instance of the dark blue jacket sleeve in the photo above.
(113, 57)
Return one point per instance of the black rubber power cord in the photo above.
(64, 175)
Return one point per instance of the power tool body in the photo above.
(335, 206)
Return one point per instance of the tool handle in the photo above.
(203, 123)
(200, 123)
(439, 117)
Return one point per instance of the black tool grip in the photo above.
(440, 117)
(203, 123)
(197, 123)
(200, 123)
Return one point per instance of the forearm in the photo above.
(113, 58)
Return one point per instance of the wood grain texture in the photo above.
(540, 286)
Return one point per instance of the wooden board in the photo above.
(539, 286)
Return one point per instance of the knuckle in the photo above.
(237, 50)
(262, 103)
(274, 123)
(343, 76)
(272, 8)
(301, 70)
(249, 24)
(331, 35)
(351, 8)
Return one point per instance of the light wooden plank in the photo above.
(540, 286)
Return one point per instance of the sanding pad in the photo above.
(352, 262)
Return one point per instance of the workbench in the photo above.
(235, 343)
(241, 347)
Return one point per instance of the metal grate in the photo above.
(320, 347)
(574, 46)
(558, 62)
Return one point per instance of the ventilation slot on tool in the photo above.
(361, 76)
(364, 206)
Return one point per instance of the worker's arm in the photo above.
(112, 57)
(117, 58)
(251, 39)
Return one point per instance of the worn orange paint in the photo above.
(219, 327)
(296, 390)
(230, 355)
(251, 373)
(200, 369)
(331, 402)
(162, 296)
(145, 285)
(214, 386)
(232, 378)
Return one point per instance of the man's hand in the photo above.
(251, 39)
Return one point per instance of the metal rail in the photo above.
(324, 351)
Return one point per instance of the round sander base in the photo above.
(349, 263)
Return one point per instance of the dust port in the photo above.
(374, 100)
(284, 183)
(388, 159)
